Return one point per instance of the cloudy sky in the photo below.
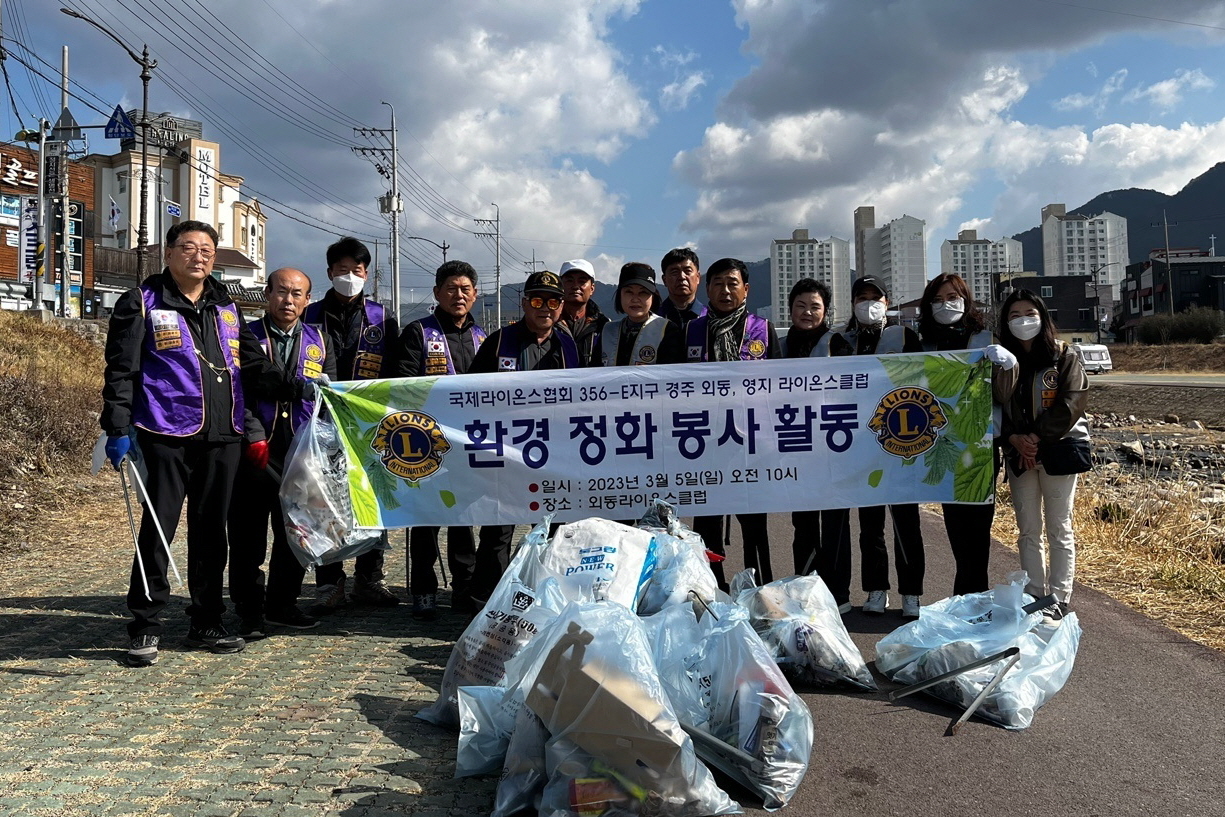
(616, 129)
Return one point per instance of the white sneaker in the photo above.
(910, 606)
(844, 608)
(878, 601)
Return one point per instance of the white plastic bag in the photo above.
(513, 616)
(594, 559)
(681, 565)
(523, 773)
(799, 620)
(485, 726)
(744, 717)
(593, 682)
(315, 498)
(956, 631)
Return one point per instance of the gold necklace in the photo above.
(217, 370)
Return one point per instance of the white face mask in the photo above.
(870, 313)
(348, 284)
(948, 312)
(1026, 328)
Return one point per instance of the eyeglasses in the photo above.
(192, 249)
(551, 303)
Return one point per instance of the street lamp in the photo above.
(40, 136)
(444, 246)
(146, 67)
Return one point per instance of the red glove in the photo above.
(257, 454)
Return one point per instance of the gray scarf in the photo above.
(724, 345)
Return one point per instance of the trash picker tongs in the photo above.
(124, 473)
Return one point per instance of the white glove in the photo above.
(1000, 356)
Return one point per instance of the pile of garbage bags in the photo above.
(960, 630)
(607, 675)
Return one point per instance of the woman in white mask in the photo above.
(1046, 442)
(871, 332)
(949, 320)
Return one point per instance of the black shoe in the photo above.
(215, 639)
(291, 617)
(251, 629)
(376, 593)
(425, 607)
(142, 651)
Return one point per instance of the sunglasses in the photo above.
(537, 302)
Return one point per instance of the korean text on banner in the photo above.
(708, 438)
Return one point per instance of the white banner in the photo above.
(28, 256)
(709, 438)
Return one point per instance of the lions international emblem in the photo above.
(757, 348)
(647, 354)
(1050, 379)
(229, 318)
(373, 334)
(411, 445)
(314, 353)
(907, 421)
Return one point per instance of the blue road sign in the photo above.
(174, 210)
(120, 126)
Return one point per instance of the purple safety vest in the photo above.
(752, 347)
(371, 341)
(437, 358)
(171, 396)
(309, 366)
(508, 349)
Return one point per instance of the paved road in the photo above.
(320, 723)
(1201, 379)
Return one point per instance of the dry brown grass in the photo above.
(1174, 357)
(1156, 546)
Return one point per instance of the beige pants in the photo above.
(1037, 497)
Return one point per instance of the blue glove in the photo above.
(117, 448)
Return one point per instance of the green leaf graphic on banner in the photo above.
(946, 376)
(382, 481)
(874, 478)
(448, 498)
(972, 478)
(971, 418)
(940, 459)
(903, 371)
(410, 394)
(366, 403)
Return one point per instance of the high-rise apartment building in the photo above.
(895, 252)
(1084, 245)
(827, 260)
(981, 262)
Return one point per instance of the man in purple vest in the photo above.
(298, 350)
(682, 275)
(532, 343)
(441, 344)
(725, 333)
(364, 339)
(178, 361)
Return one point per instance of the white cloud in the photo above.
(1167, 94)
(675, 96)
(1098, 101)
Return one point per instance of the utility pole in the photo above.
(532, 264)
(1097, 294)
(496, 235)
(391, 204)
(1169, 267)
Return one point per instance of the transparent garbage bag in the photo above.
(730, 695)
(485, 726)
(593, 682)
(513, 616)
(799, 620)
(523, 773)
(315, 498)
(681, 565)
(594, 559)
(956, 631)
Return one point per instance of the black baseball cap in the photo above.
(636, 272)
(543, 281)
(868, 281)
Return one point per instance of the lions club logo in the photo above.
(647, 354)
(229, 318)
(314, 353)
(757, 348)
(411, 445)
(906, 421)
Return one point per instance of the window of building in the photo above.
(1082, 315)
(1047, 292)
(1054, 316)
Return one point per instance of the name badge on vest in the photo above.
(695, 352)
(507, 364)
(166, 331)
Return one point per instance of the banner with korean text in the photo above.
(709, 438)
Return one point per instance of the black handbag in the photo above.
(1065, 456)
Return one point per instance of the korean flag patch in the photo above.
(506, 364)
(434, 347)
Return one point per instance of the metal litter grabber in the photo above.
(1013, 654)
(140, 483)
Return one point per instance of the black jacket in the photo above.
(411, 355)
(587, 334)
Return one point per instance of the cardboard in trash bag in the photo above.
(959, 630)
(315, 498)
(593, 682)
(799, 620)
(731, 697)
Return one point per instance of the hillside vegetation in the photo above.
(1180, 357)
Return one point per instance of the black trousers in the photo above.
(202, 473)
(823, 543)
(423, 553)
(756, 538)
(969, 531)
(255, 504)
(367, 569)
(492, 559)
(907, 549)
